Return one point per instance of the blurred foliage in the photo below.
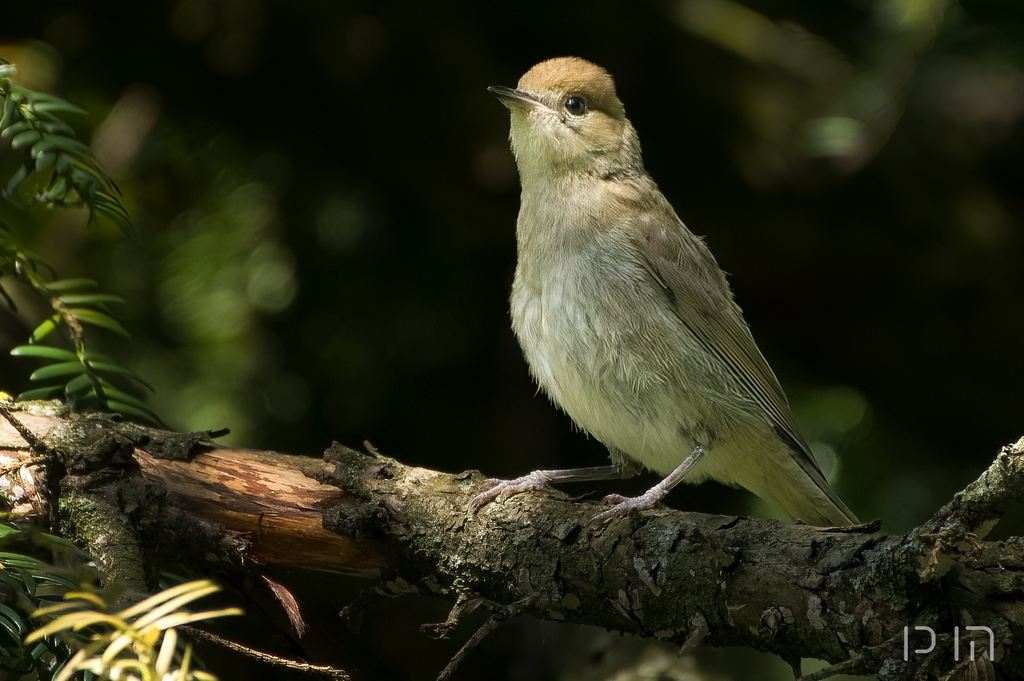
(36, 570)
(325, 207)
(58, 170)
(139, 643)
(55, 622)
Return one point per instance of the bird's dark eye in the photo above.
(575, 105)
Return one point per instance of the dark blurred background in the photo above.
(326, 203)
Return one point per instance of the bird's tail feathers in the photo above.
(801, 490)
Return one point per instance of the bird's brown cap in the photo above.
(575, 76)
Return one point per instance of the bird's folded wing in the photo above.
(699, 295)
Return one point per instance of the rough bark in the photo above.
(132, 495)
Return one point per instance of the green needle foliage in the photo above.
(56, 625)
(58, 170)
(37, 570)
(138, 643)
(75, 633)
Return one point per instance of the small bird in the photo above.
(626, 320)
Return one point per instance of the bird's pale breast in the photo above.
(609, 352)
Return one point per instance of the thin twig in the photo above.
(697, 634)
(7, 298)
(851, 666)
(864, 661)
(10, 468)
(75, 329)
(34, 443)
(464, 605)
(487, 627)
(267, 658)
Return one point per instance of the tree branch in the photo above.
(845, 595)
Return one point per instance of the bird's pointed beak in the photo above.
(514, 99)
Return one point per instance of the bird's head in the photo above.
(567, 119)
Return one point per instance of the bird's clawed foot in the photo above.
(623, 506)
(500, 490)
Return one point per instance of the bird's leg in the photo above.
(541, 481)
(653, 496)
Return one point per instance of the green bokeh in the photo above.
(326, 208)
